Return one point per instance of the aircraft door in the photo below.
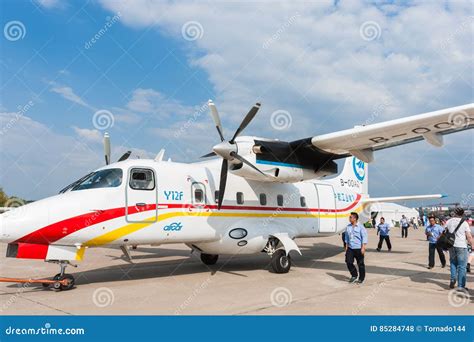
(141, 195)
(327, 206)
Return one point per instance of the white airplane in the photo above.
(257, 197)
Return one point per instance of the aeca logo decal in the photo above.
(359, 168)
(175, 226)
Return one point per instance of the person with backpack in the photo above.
(383, 230)
(433, 232)
(404, 223)
(458, 230)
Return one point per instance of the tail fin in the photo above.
(354, 175)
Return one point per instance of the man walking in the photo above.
(383, 229)
(458, 253)
(356, 240)
(404, 224)
(433, 231)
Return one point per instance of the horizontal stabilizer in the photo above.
(400, 198)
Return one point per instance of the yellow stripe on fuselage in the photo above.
(115, 234)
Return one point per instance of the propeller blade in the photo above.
(250, 115)
(216, 118)
(107, 148)
(208, 155)
(245, 161)
(125, 156)
(222, 183)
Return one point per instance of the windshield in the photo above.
(108, 178)
(70, 186)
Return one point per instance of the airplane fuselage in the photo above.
(179, 206)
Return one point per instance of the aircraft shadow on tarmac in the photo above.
(313, 257)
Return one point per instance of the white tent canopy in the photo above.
(392, 212)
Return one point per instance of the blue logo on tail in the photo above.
(359, 168)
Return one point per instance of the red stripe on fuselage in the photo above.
(61, 229)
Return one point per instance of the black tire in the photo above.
(60, 287)
(209, 259)
(281, 263)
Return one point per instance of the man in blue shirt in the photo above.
(356, 240)
(404, 224)
(433, 231)
(383, 229)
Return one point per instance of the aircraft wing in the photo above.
(362, 141)
(400, 198)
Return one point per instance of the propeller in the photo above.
(228, 149)
(107, 152)
(107, 148)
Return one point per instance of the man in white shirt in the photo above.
(458, 253)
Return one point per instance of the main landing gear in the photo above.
(61, 281)
(209, 259)
(281, 262)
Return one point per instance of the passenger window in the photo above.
(303, 201)
(142, 179)
(280, 200)
(240, 198)
(263, 199)
(216, 196)
(198, 196)
(199, 193)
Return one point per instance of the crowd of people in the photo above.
(453, 236)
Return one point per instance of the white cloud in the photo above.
(68, 93)
(150, 101)
(90, 135)
(311, 59)
(317, 65)
(49, 3)
(37, 162)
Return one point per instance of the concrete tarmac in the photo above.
(167, 280)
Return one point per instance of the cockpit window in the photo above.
(109, 178)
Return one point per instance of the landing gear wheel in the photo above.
(209, 259)
(60, 287)
(281, 263)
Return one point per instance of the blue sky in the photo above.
(154, 64)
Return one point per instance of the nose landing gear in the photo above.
(61, 281)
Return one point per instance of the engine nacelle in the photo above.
(273, 171)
